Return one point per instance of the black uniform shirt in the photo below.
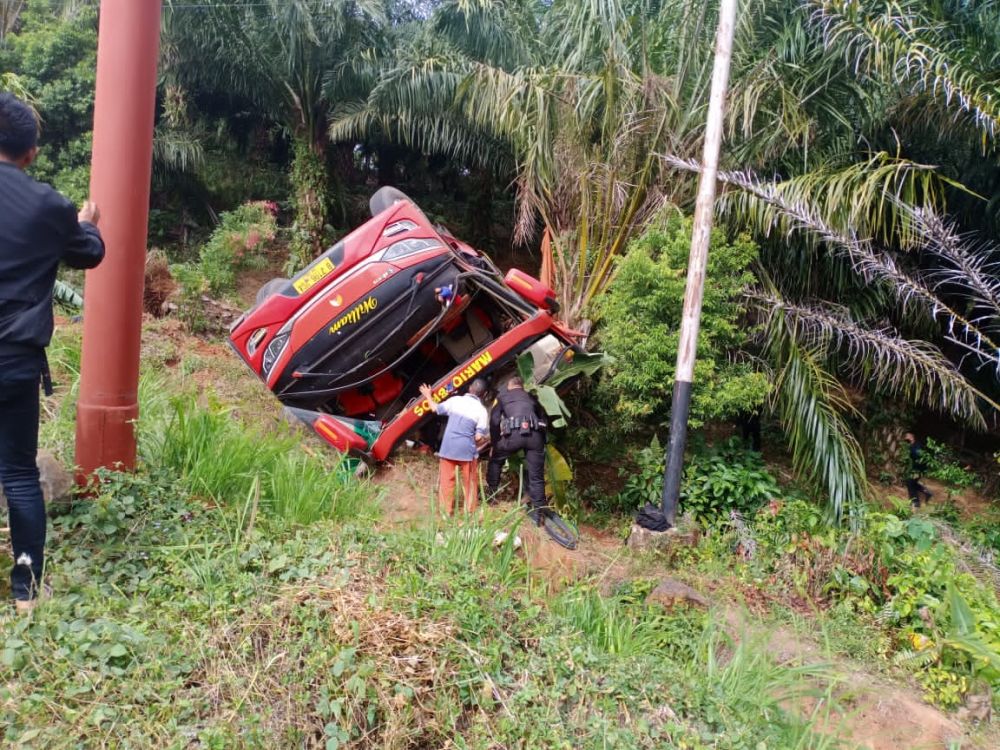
(514, 403)
(38, 231)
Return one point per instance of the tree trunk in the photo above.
(309, 183)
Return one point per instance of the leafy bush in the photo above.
(945, 624)
(945, 467)
(716, 480)
(640, 318)
(192, 284)
(726, 477)
(644, 483)
(237, 243)
(55, 58)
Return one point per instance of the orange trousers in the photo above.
(447, 472)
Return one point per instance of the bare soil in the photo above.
(866, 710)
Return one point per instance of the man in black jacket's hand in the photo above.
(39, 229)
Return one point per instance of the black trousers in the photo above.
(914, 488)
(19, 411)
(533, 446)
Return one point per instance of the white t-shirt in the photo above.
(467, 418)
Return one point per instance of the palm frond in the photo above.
(178, 151)
(901, 41)
(773, 209)
(811, 404)
(974, 268)
(913, 370)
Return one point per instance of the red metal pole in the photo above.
(124, 109)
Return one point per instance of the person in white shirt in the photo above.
(467, 429)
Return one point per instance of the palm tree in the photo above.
(292, 59)
(868, 284)
(577, 95)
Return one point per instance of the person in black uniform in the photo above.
(518, 423)
(39, 229)
(916, 469)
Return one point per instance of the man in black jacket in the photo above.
(39, 229)
(917, 467)
(518, 423)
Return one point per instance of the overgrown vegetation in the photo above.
(238, 591)
(906, 576)
(647, 295)
(843, 275)
(717, 480)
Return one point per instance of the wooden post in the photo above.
(703, 214)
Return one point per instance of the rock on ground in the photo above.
(643, 540)
(56, 481)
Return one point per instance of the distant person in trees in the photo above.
(465, 432)
(916, 468)
(518, 424)
(39, 229)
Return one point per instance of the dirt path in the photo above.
(410, 481)
(862, 709)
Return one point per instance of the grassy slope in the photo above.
(235, 594)
(197, 607)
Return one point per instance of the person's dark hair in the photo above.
(514, 381)
(477, 387)
(18, 127)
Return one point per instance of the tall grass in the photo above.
(215, 456)
(611, 625)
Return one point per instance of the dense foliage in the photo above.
(640, 321)
(55, 59)
(718, 480)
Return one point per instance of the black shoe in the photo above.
(536, 516)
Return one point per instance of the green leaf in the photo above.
(559, 468)
(552, 404)
(581, 363)
(963, 621)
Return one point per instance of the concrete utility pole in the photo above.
(703, 213)
(124, 109)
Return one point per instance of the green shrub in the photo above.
(238, 243)
(716, 480)
(726, 477)
(944, 466)
(639, 321)
(944, 623)
(192, 286)
(644, 479)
